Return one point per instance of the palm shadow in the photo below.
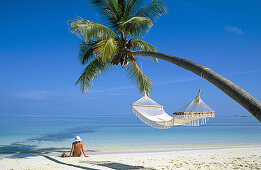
(108, 164)
(116, 165)
(68, 164)
(120, 166)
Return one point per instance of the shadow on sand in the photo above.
(120, 166)
(71, 165)
(107, 164)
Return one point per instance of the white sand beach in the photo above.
(201, 158)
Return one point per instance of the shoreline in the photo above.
(138, 149)
(173, 147)
(204, 158)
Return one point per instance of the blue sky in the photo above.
(39, 64)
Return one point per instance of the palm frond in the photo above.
(88, 30)
(106, 49)
(142, 82)
(97, 3)
(95, 68)
(109, 10)
(122, 6)
(129, 8)
(87, 51)
(153, 10)
(136, 26)
(143, 45)
(114, 8)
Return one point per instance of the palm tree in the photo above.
(103, 47)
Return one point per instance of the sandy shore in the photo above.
(211, 158)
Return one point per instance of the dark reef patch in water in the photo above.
(30, 145)
(22, 148)
(61, 136)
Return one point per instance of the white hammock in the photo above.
(153, 114)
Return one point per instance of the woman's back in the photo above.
(77, 149)
(77, 145)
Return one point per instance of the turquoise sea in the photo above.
(48, 133)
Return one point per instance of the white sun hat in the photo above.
(77, 139)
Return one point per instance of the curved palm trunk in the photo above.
(231, 89)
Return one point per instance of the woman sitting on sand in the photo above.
(77, 148)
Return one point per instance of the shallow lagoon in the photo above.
(47, 133)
